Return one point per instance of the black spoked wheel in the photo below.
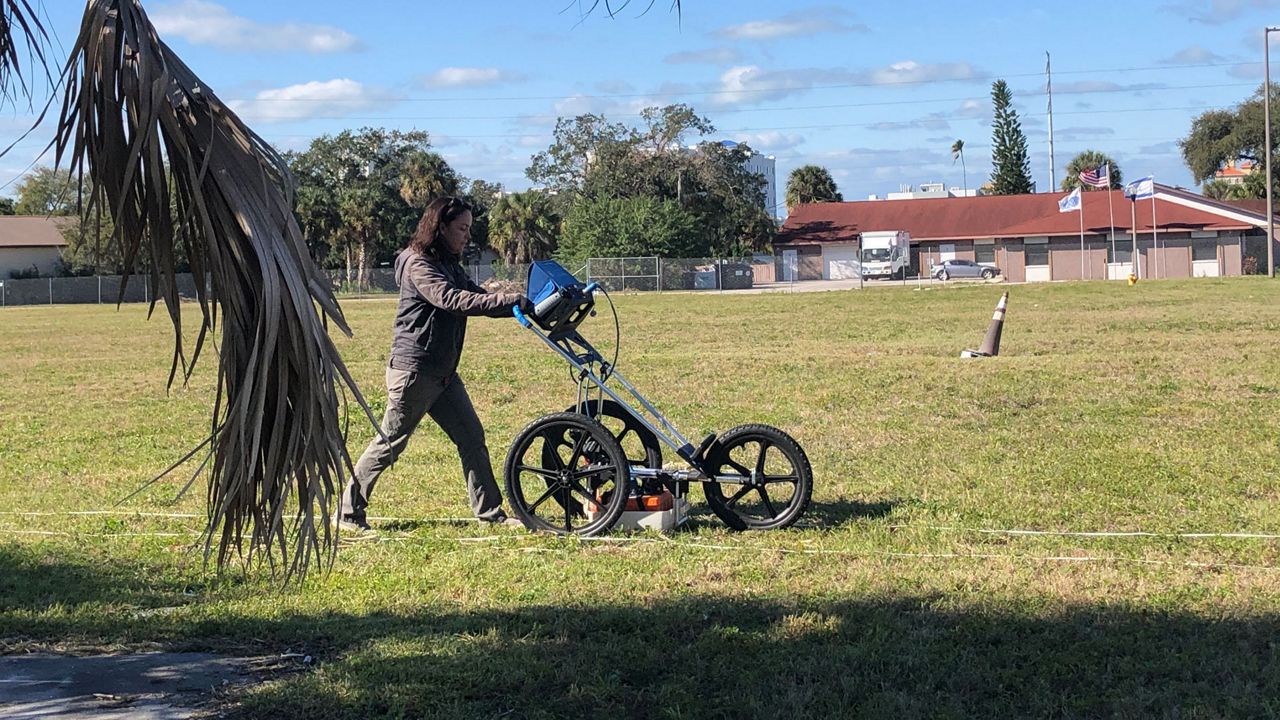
(639, 444)
(988, 274)
(567, 474)
(772, 479)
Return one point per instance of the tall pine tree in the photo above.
(1012, 168)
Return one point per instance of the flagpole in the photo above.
(1111, 213)
(1082, 236)
(1136, 269)
(1155, 238)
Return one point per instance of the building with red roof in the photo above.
(1029, 239)
(1235, 173)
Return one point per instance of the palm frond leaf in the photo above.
(21, 34)
(613, 7)
(175, 168)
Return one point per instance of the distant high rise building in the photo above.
(766, 167)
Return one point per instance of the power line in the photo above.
(784, 108)
(831, 126)
(828, 126)
(773, 88)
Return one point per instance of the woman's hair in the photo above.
(438, 214)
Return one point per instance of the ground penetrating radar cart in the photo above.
(582, 471)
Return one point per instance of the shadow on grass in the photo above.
(827, 514)
(31, 581)
(712, 657)
(412, 525)
(693, 656)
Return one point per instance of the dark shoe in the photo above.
(356, 529)
(505, 521)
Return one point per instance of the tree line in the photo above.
(601, 189)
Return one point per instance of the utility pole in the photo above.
(1053, 166)
(1266, 132)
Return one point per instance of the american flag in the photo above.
(1097, 177)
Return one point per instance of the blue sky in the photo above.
(875, 92)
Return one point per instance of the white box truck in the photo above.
(885, 253)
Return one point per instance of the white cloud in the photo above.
(801, 23)
(968, 110)
(207, 23)
(1082, 133)
(974, 109)
(863, 171)
(910, 71)
(615, 109)
(1247, 71)
(1098, 86)
(769, 143)
(614, 87)
(1194, 55)
(932, 121)
(540, 142)
(1218, 12)
(453, 77)
(750, 83)
(310, 100)
(500, 163)
(709, 56)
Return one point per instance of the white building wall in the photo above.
(20, 259)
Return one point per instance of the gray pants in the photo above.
(411, 395)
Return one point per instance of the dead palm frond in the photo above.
(613, 7)
(174, 168)
(20, 27)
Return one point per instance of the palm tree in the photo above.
(811, 184)
(1090, 160)
(523, 227)
(957, 152)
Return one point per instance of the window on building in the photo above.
(1037, 254)
(1204, 250)
(1123, 252)
(985, 254)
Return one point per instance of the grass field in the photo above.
(1153, 409)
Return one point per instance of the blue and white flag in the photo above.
(1140, 188)
(1070, 203)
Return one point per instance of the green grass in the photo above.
(1114, 409)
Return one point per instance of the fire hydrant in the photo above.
(1133, 279)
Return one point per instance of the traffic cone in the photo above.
(991, 343)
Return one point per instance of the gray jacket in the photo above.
(436, 297)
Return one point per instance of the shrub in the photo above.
(29, 274)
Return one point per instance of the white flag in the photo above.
(1070, 203)
(1140, 188)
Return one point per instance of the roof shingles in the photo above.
(18, 231)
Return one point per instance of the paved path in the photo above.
(141, 686)
(829, 285)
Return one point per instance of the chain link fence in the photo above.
(645, 274)
(638, 274)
